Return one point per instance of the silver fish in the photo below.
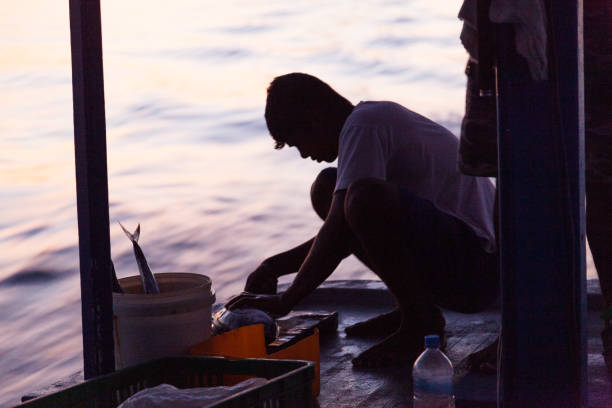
(115, 281)
(149, 284)
(226, 320)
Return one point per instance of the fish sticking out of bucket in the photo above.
(149, 284)
(116, 286)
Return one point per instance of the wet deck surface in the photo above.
(344, 386)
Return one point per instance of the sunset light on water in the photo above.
(189, 156)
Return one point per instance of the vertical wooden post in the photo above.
(92, 186)
(568, 58)
(541, 181)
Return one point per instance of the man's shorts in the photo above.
(450, 257)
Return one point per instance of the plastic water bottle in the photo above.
(432, 376)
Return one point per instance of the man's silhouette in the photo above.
(396, 201)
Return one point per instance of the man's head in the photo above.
(305, 112)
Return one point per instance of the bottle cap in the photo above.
(432, 341)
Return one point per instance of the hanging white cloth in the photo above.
(529, 20)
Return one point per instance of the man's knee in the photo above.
(368, 199)
(322, 191)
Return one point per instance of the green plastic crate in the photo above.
(289, 385)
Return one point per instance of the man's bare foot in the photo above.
(485, 360)
(400, 348)
(379, 326)
(397, 349)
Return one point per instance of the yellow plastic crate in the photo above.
(249, 342)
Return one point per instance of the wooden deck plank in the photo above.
(469, 333)
(343, 386)
(396, 391)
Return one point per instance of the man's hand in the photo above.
(262, 280)
(271, 304)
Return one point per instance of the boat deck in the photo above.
(345, 386)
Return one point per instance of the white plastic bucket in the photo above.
(149, 326)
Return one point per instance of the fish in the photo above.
(116, 286)
(149, 284)
(226, 320)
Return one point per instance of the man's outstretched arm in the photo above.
(289, 261)
(330, 246)
(265, 277)
(328, 249)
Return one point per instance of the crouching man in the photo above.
(396, 201)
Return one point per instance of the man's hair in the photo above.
(295, 99)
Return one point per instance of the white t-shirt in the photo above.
(384, 140)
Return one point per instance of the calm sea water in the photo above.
(189, 157)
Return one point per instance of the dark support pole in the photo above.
(92, 186)
(541, 180)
